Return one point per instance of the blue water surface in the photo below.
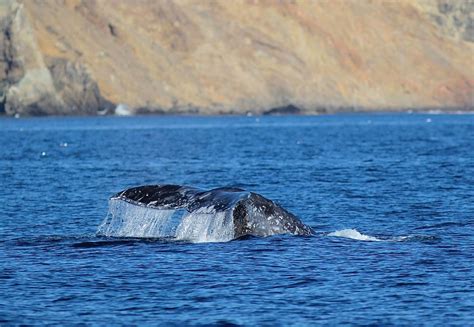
(407, 180)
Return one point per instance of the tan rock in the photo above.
(238, 56)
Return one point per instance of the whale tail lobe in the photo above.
(193, 214)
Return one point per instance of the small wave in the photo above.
(112, 241)
(447, 224)
(93, 244)
(46, 240)
(416, 238)
(354, 234)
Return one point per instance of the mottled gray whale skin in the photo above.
(252, 214)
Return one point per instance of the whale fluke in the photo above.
(185, 212)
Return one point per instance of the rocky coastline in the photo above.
(245, 57)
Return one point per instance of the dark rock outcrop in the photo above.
(34, 84)
(74, 86)
(454, 17)
(285, 110)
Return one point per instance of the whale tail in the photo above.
(225, 213)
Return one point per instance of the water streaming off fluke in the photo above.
(125, 219)
(191, 214)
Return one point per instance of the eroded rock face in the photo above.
(218, 57)
(35, 84)
(76, 89)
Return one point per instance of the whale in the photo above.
(225, 213)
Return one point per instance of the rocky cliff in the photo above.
(189, 56)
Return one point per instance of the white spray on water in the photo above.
(353, 234)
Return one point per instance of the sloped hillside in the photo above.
(210, 57)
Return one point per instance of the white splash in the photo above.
(354, 234)
(122, 110)
(125, 219)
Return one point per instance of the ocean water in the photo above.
(391, 198)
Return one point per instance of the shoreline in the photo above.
(433, 112)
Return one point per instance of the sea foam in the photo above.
(353, 234)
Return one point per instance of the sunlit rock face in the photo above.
(211, 57)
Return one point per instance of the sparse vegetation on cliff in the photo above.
(184, 56)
